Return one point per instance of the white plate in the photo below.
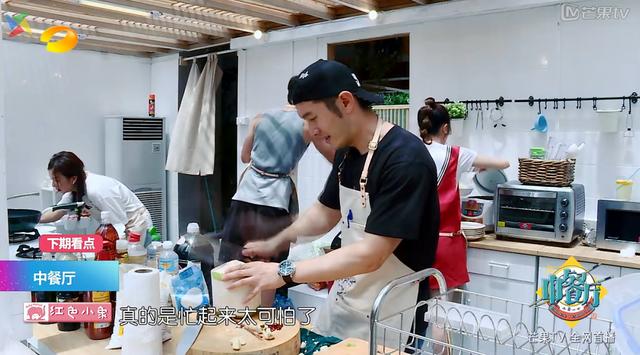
(472, 226)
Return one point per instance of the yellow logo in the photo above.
(571, 292)
(67, 43)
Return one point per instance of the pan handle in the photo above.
(67, 206)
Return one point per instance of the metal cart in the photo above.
(471, 327)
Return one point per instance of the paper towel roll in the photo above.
(142, 289)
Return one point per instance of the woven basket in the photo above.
(546, 172)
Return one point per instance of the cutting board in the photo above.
(354, 346)
(216, 340)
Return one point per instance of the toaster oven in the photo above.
(541, 213)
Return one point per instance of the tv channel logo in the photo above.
(17, 24)
(65, 44)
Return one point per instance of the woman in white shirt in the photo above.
(98, 192)
(451, 162)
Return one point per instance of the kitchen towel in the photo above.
(192, 145)
(142, 289)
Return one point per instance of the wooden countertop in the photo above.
(77, 342)
(580, 252)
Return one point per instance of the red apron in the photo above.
(451, 255)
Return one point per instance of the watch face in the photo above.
(286, 268)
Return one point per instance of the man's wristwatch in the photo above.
(286, 270)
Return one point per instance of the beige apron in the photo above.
(347, 310)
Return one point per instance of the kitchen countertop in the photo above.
(580, 252)
(77, 342)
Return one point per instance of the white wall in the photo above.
(527, 51)
(57, 102)
(4, 228)
(164, 83)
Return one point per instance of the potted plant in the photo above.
(396, 98)
(457, 110)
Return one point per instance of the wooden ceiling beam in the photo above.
(94, 45)
(189, 12)
(306, 7)
(71, 7)
(246, 9)
(91, 32)
(360, 5)
(106, 23)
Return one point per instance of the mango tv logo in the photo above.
(65, 44)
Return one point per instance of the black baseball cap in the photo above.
(327, 78)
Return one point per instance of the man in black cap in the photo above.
(383, 191)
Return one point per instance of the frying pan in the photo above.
(23, 220)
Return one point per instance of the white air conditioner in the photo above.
(135, 154)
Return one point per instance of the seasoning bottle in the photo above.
(97, 330)
(44, 296)
(68, 297)
(121, 250)
(137, 253)
(152, 105)
(109, 236)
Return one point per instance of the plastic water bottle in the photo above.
(168, 259)
(195, 247)
(153, 251)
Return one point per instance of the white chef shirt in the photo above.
(108, 194)
(465, 160)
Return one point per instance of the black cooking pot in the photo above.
(21, 220)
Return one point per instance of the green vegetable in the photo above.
(456, 110)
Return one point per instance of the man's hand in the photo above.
(263, 249)
(258, 276)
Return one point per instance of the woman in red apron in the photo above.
(451, 162)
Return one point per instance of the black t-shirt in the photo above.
(403, 193)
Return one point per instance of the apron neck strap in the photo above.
(373, 145)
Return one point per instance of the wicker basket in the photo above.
(546, 172)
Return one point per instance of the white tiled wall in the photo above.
(513, 54)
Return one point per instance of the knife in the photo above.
(189, 336)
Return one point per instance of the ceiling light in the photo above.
(106, 6)
(257, 34)
(373, 15)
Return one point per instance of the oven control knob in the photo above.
(564, 214)
(563, 227)
(564, 202)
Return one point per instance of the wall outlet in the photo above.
(242, 121)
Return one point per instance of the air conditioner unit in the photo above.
(135, 154)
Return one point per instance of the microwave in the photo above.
(618, 225)
(539, 213)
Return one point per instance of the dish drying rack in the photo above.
(469, 329)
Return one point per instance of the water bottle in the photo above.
(153, 251)
(168, 259)
(195, 247)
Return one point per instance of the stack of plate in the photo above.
(473, 231)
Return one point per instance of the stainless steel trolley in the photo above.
(470, 327)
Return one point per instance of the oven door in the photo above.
(618, 225)
(527, 213)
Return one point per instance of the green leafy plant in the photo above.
(396, 98)
(456, 110)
